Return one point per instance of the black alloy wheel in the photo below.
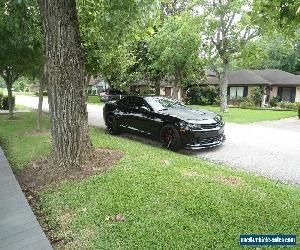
(112, 125)
(170, 138)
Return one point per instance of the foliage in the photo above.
(1, 97)
(174, 50)
(4, 104)
(281, 15)
(256, 95)
(20, 34)
(247, 103)
(109, 30)
(274, 100)
(45, 93)
(21, 47)
(274, 52)
(202, 95)
(288, 105)
(198, 203)
(23, 82)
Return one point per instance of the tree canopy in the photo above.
(174, 50)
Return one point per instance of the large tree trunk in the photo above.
(157, 88)
(64, 77)
(10, 99)
(40, 105)
(224, 86)
(176, 86)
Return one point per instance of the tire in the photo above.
(170, 138)
(112, 125)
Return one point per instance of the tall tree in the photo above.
(64, 76)
(65, 71)
(228, 28)
(20, 50)
(174, 50)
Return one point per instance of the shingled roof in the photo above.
(259, 77)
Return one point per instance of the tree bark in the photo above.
(157, 88)
(40, 105)
(224, 86)
(10, 99)
(64, 78)
(176, 86)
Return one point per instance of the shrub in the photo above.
(288, 105)
(89, 92)
(236, 101)
(45, 93)
(202, 95)
(247, 103)
(274, 101)
(256, 95)
(5, 105)
(299, 111)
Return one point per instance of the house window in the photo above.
(236, 92)
(286, 94)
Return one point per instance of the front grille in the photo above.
(209, 126)
(209, 140)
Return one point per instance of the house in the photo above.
(147, 87)
(96, 86)
(274, 82)
(33, 87)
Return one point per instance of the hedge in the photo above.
(4, 102)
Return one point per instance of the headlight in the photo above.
(218, 118)
(184, 126)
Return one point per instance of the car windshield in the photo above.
(162, 103)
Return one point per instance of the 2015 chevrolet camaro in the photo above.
(166, 119)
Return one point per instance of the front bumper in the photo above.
(203, 139)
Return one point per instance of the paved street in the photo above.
(267, 148)
(95, 111)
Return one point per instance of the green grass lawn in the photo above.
(94, 100)
(240, 115)
(169, 200)
(26, 93)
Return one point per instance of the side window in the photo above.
(132, 102)
(136, 103)
(124, 102)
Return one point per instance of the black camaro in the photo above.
(165, 119)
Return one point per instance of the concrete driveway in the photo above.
(271, 149)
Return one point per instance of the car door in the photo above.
(138, 114)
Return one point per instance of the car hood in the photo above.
(191, 115)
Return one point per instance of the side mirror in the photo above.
(144, 108)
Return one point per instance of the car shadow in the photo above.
(150, 141)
